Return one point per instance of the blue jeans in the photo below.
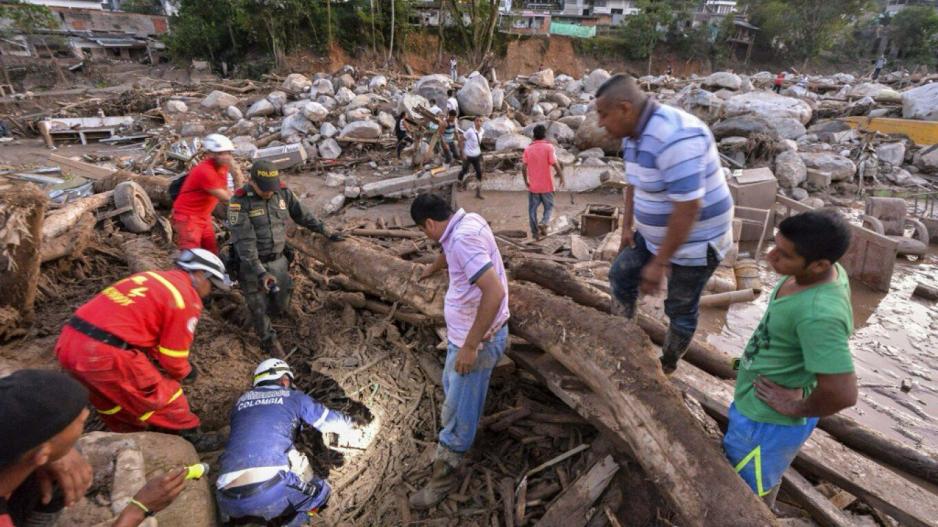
(534, 201)
(290, 500)
(465, 393)
(761, 452)
(685, 284)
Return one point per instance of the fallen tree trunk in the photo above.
(70, 242)
(63, 219)
(22, 211)
(358, 301)
(861, 438)
(142, 254)
(561, 280)
(156, 187)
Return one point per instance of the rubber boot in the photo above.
(442, 482)
(674, 347)
(479, 191)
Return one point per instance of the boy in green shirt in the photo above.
(797, 365)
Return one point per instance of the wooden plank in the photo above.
(572, 507)
(825, 458)
(922, 132)
(81, 168)
(811, 500)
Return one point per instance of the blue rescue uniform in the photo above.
(255, 478)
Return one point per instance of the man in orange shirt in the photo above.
(111, 343)
(203, 187)
(538, 160)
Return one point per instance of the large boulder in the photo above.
(790, 170)
(359, 101)
(892, 153)
(498, 99)
(543, 78)
(767, 105)
(328, 130)
(343, 81)
(233, 113)
(261, 108)
(434, 88)
(218, 99)
(244, 146)
(358, 114)
(723, 79)
(344, 96)
(362, 130)
(788, 128)
(926, 159)
(296, 83)
(879, 92)
(839, 167)
(322, 87)
(593, 81)
(295, 125)
(495, 128)
(278, 99)
(475, 97)
(560, 133)
(573, 121)
(329, 149)
(921, 103)
(702, 103)
(377, 82)
(591, 135)
(512, 142)
(315, 112)
(409, 102)
(743, 126)
(386, 120)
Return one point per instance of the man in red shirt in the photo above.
(111, 343)
(779, 79)
(539, 159)
(204, 186)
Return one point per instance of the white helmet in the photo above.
(271, 370)
(217, 143)
(204, 260)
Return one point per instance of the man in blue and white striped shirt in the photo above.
(677, 201)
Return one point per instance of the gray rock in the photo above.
(293, 107)
(362, 130)
(723, 79)
(592, 152)
(768, 105)
(296, 83)
(921, 103)
(343, 81)
(573, 87)
(594, 80)
(359, 101)
(790, 170)
(328, 130)
(561, 133)
(352, 191)
(322, 87)
(172, 106)
(386, 120)
(242, 127)
(573, 121)
(817, 180)
(564, 157)
(512, 142)
(546, 107)
(705, 105)
(233, 113)
(578, 109)
(901, 177)
(591, 135)
(329, 149)
(475, 97)
(334, 205)
(315, 112)
(334, 179)
(377, 82)
(799, 194)
(788, 128)
(879, 92)
(434, 88)
(861, 106)
(543, 78)
(745, 126)
(218, 99)
(343, 96)
(244, 146)
(409, 102)
(560, 99)
(261, 108)
(839, 167)
(192, 130)
(328, 102)
(814, 203)
(498, 99)
(358, 114)
(892, 153)
(926, 159)
(278, 99)
(295, 125)
(495, 128)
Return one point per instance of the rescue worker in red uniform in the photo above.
(119, 341)
(204, 186)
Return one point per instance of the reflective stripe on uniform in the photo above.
(176, 354)
(175, 396)
(756, 457)
(109, 411)
(177, 296)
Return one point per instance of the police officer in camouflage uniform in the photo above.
(257, 214)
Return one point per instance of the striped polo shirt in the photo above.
(674, 159)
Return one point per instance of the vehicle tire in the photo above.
(142, 217)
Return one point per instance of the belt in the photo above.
(246, 491)
(89, 329)
(269, 257)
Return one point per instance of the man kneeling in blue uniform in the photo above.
(263, 476)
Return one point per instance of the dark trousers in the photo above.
(777, 88)
(260, 302)
(476, 162)
(685, 284)
(876, 73)
(402, 142)
(450, 151)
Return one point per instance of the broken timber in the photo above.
(399, 186)
(571, 509)
(612, 359)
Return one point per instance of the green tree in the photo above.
(913, 31)
(652, 24)
(143, 7)
(803, 29)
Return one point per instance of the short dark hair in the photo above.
(821, 234)
(540, 131)
(450, 92)
(429, 206)
(452, 113)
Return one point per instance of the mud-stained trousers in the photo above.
(260, 303)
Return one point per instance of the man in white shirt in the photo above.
(452, 68)
(451, 103)
(471, 143)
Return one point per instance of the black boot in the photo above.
(674, 347)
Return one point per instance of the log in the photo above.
(22, 211)
(827, 459)
(572, 508)
(387, 233)
(615, 360)
(559, 279)
(63, 219)
(156, 187)
(358, 301)
(726, 299)
(141, 254)
(926, 291)
(71, 242)
(810, 499)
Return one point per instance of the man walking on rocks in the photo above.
(797, 366)
(471, 143)
(678, 202)
(258, 214)
(539, 160)
(476, 313)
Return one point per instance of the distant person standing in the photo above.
(452, 68)
(878, 66)
(539, 160)
(670, 69)
(471, 143)
(452, 105)
(779, 79)
(400, 132)
(448, 133)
